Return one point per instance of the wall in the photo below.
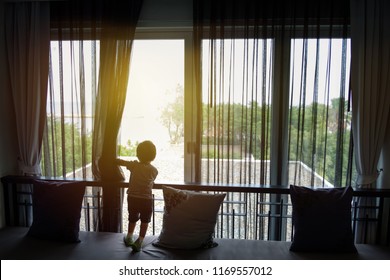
(166, 13)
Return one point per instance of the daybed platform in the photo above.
(15, 245)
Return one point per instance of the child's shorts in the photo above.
(139, 208)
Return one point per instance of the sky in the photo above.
(155, 71)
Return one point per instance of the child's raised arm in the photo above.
(122, 162)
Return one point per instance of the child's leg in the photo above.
(128, 239)
(133, 218)
(142, 231)
(145, 216)
(136, 246)
(130, 229)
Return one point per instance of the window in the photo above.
(236, 119)
(265, 121)
(241, 111)
(154, 107)
(320, 122)
(67, 142)
(242, 121)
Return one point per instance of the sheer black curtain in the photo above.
(73, 70)
(116, 42)
(115, 51)
(89, 67)
(272, 82)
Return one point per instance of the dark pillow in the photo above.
(322, 220)
(189, 219)
(57, 210)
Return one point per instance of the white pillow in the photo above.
(189, 219)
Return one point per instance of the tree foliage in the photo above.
(172, 116)
(129, 150)
(65, 148)
(319, 135)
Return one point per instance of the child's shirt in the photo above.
(141, 179)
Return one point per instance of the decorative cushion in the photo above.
(322, 220)
(189, 219)
(57, 210)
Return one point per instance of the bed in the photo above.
(16, 245)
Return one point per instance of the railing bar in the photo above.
(256, 217)
(247, 200)
(88, 218)
(280, 219)
(99, 210)
(354, 219)
(380, 215)
(154, 217)
(6, 191)
(221, 230)
(367, 219)
(233, 225)
(292, 230)
(388, 229)
(90, 207)
(25, 213)
(23, 192)
(366, 229)
(269, 222)
(15, 206)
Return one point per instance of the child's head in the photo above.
(146, 151)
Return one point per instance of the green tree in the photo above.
(319, 135)
(65, 148)
(129, 149)
(172, 117)
(320, 138)
(244, 129)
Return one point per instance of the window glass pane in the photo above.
(320, 119)
(154, 107)
(236, 110)
(67, 143)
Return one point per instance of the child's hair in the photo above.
(146, 151)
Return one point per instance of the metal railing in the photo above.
(248, 212)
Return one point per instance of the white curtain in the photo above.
(27, 41)
(27, 31)
(370, 40)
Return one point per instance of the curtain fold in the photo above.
(370, 35)
(27, 38)
(117, 36)
(111, 96)
(89, 70)
(115, 53)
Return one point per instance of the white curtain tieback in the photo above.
(30, 170)
(367, 179)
